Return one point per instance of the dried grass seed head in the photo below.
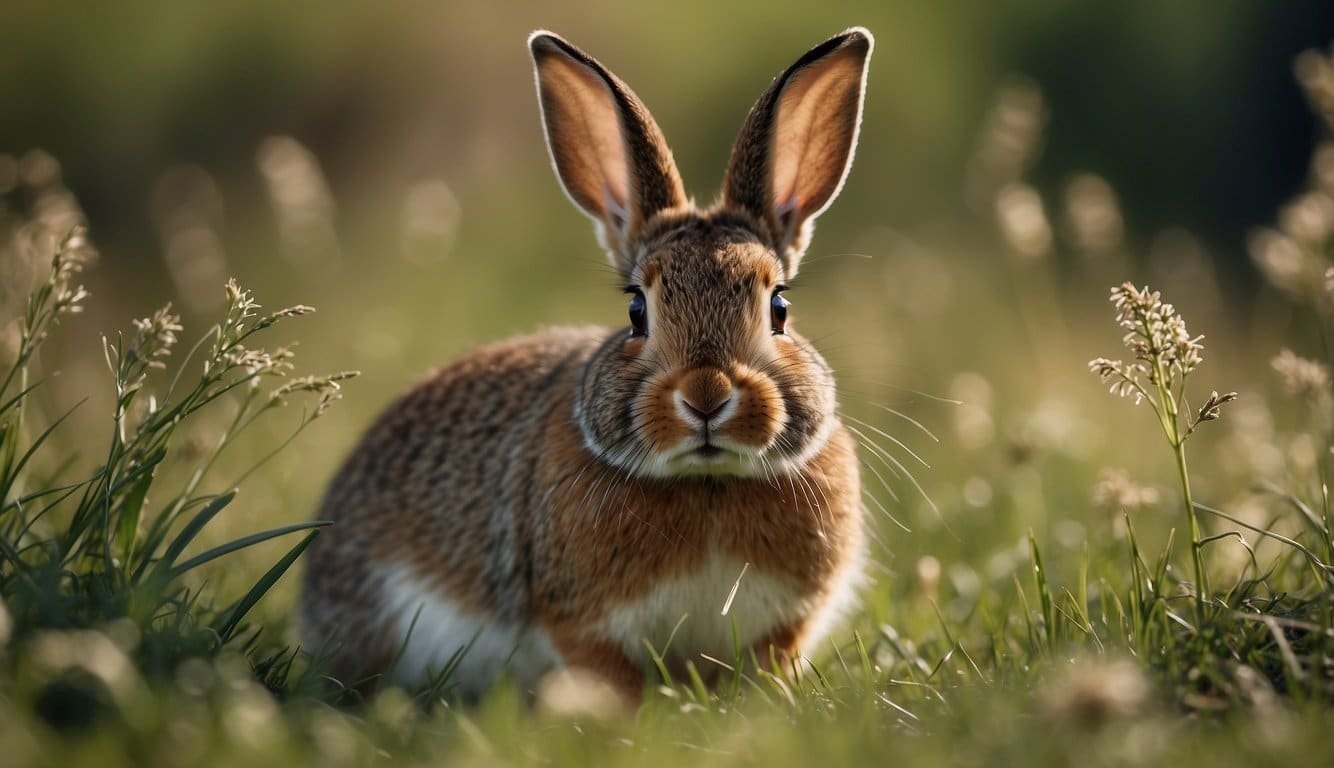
(328, 389)
(1314, 70)
(1023, 221)
(1115, 492)
(1213, 407)
(1322, 167)
(260, 362)
(154, 337)
(1287, 265)
(1157, 336)
(1308, 218)
(1008, 143)
(70, 256)
(1301, 377)
(1093, 215)
(1155, 330)
(1121, 379)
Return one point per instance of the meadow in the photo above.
(1059, 572)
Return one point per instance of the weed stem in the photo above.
(1170, 415)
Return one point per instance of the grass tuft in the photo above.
(93, 578)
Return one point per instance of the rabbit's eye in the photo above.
(778, 310)
(638, 313)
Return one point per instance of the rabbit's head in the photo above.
(710, 378)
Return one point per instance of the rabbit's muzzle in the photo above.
(712, 421)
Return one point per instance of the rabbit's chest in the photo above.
(717, 609)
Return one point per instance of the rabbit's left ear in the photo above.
(796, 146)
(608, 151)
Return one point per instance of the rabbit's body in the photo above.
(580, 496)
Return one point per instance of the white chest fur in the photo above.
(429, 631)
(680, 619)
(685, 617)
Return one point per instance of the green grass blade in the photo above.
(1160, 569)
(1315, 559)
(245, 541)
(1044, 591)
(13, 468)
(192, 529)
(131, 506)
(1034, 639)
(1137, 581)
(697, 686)
(14, 401)
(659, 664)
(227, 626)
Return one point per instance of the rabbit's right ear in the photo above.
(796, 145)
(608, 152)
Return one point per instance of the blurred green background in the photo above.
(1187, 108)
(384, 162)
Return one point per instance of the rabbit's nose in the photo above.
(705, 392)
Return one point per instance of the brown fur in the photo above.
(545, 480)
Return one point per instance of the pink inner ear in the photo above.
(617, 211)
(790, 145)
(785, 210)
(811, 140)
(589, 136)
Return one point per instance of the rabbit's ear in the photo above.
(796, 145)
(607, 150)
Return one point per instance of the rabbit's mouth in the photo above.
(708, 458)
(708, 451)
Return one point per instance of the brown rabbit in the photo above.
(575, 497)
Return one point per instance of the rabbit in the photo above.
(592, 498)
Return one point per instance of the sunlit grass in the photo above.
(1066, 589)
(94, 585)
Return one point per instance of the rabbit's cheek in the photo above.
(656, 418)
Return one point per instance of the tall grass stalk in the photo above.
(1170, 417)
(1165, 355)
(113, 545)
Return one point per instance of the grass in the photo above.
(104, 550)
(1039, 623)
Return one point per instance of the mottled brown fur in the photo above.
(546, 480)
